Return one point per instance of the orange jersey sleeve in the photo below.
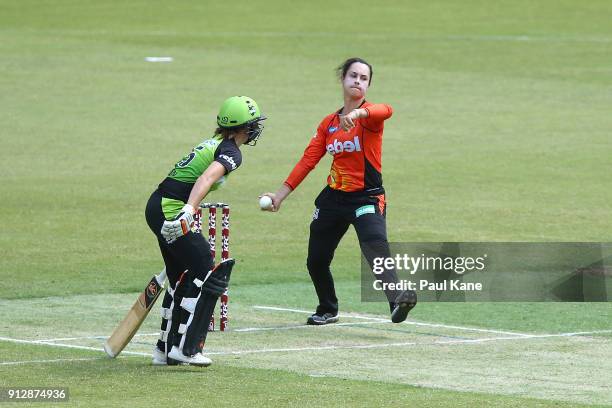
(312, 155)
(377, 114)
(356, 153)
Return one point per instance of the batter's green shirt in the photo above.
(176, 187)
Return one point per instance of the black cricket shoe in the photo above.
(404, 303)
(320, 319)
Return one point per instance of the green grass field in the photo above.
(501, 132)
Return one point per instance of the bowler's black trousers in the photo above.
(335, 211)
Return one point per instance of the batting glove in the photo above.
(181, 225)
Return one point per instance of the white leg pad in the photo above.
(189, 304)
(163, 335)
(166, 313)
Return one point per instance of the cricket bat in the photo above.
(137, 314)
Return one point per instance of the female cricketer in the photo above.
(194, 285)
(354, 193)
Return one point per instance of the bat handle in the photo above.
(161, 278)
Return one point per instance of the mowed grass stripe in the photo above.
(375, 354)
(89, 383)
(497, 364)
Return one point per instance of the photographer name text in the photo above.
(424, 284)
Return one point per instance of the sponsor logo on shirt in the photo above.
(332, 129)
(228, 159)
(348, 146)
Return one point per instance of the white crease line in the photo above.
(95, 337)
(284, 309)
(445, 326)
(347, 347)
(73, 346)
(318, 348)
(533, 336)
(302, 326)
(403, 344)
(58, 360)
(582, 333)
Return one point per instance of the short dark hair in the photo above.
(342, 69)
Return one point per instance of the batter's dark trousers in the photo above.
(189, 253)
(186, 258)
(335, 211)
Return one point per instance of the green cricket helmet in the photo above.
(242, 111)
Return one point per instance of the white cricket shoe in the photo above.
(159, 357)
(197, 359)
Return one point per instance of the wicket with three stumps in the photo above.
(212, 242)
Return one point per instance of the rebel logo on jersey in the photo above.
(229, 159)
(356, 153)
(348, 146)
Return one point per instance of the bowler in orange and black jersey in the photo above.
(354, 194)
(357, 152)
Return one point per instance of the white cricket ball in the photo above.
(265, 203)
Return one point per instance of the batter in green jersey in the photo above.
(177, 186)
(194, 285)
